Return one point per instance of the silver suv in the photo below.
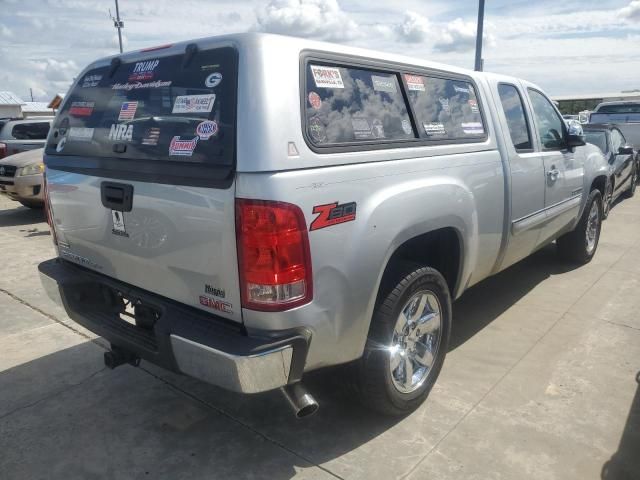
(247, 208)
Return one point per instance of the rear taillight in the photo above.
(47, 209)
(3, 150)
(273, 255)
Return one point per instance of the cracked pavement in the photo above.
(540, 383)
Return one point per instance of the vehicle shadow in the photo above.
(17, 216)
(625, 463)
(485, 302)
(147, 422)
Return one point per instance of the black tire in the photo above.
(34, 205)
(607, 201)
(573, 246)
(631, 191)
(373, 380)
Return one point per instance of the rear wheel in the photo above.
(407, 342)
(580, 245)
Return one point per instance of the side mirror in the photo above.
(575, 135)
(626, 150)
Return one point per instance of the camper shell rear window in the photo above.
(178, 110)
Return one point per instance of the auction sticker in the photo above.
(327, 77)
(434, 129)
(383, 84)
(361, 128)
(81, 134)
(194, 103)
(315, 100)
(414, 82)
(472, 128)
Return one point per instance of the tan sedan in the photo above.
(21, 178)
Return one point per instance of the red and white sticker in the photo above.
(183, 148)
(327, 77)
(414, 82)
(81, 109)
(315, 100)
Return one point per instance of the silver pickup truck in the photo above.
(244, 209)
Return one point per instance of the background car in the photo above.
(620, 156)
(21, 178)
(19, 135)
(624, 114)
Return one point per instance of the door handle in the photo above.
(553, 174)
(117, 196)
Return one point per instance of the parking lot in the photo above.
(541, 382)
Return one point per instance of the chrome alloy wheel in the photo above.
(416, 339)
(593, 222)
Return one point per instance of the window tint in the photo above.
(549, 124)
(516, 119)
(445, 109)
(345, 105)
(30, 131)
(617, 141)
(620, 108)
(161, 109)
(599, 139)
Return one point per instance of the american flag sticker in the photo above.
(151, 136)
(128, 110)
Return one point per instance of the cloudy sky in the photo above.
(568, 46)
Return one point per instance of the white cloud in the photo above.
(60, 71)
(5, 31)
(319, 19)
(631, 11)
(457, 35)
(414, 28)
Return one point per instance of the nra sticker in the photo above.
(474, 106)
(143, 71)
(151, 136)
(194, 103)
(81, 109)
(219, 305)
(118, 223)
(121, 132)
(333, 214)
(327, 77)
(414, 82)
(182, 147)
(315, 100)
(206, 129)
(128, 111)
(213, 80)
(316, 130)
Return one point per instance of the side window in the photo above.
(516, 118)
(445, 109)
(352, 105)
(617, 141)
(549, 124)
(30, 131)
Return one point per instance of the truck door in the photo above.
(527, 174)
(563, 167)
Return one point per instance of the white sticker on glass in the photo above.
(327, 77)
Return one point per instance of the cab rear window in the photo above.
(30, 131)
(178, 108)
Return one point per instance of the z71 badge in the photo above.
(333, 214)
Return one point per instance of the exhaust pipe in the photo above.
(300, 400)
(117, 356)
